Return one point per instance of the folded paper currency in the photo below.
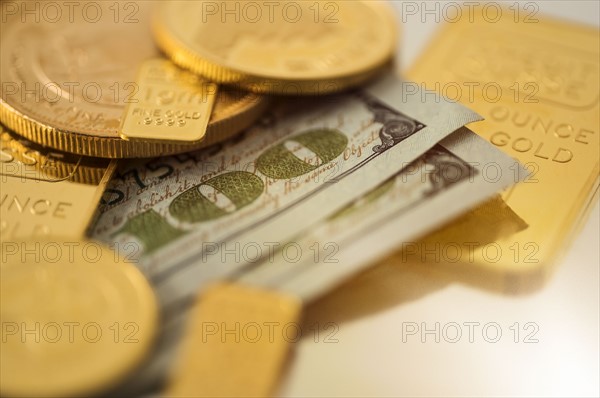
(215, 215)
(301, 165)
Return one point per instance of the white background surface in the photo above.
(370, 358)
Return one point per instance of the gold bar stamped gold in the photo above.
(536, 82)
(45, 192)
(168, 104)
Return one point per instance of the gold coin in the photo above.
(30, 161)
(306, 47)
(66, 83)
(76, 318)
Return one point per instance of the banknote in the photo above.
(189, 220)
(178, 216)
(450, 178)
(460, 172)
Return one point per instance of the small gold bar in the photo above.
(168, 104)
(234, 345)
(536, 82)
(46, 192)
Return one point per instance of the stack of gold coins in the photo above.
(75, 85)
(86, 83)
(98, 86)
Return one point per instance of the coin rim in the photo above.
(152, 315)
(116, 147)
(185, 57)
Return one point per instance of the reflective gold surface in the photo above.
(66, 84)
(76, 318)
(170, 105)
(46, 192)
(537, 85)
(236, 343)
(290, 48)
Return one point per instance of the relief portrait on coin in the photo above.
(193, 193)
(75, 79)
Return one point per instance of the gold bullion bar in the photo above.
(536, 82)
(45, 192)
(169, 105)
(215, 362)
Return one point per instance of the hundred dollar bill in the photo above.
(451, 178)
(178, 215)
